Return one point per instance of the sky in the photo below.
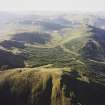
(52, 5)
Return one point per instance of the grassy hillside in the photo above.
(62, 67)
(49, 86)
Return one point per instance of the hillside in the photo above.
(52, 60)
(49, 86)
(10, 60)
(32, 38)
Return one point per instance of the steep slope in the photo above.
(82, 83)
(69, 56)
(49, 86)
(94, 51)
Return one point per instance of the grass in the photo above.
(30, 84)
(61, 75)
(44, 85)
(56, 56)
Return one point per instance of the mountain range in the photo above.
(56, 59)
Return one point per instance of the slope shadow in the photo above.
(98, 35)
(10, 60)
(85, 93)
(11, 44)
(24, 95)
(31, 38)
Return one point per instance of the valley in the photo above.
(52, 60)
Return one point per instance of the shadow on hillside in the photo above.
(43, 96)
(98, 35)
(23, 95)
(9, 44)
(28, 37)
(84, 93)
(94, 50)
(10, 60)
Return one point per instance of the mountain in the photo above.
(53, 59)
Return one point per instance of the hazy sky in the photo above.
(52, 5)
